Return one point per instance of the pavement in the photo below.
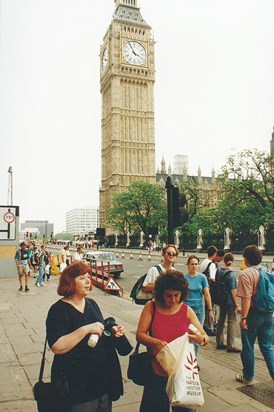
(22, 334)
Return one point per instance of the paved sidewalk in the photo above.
(22, 333)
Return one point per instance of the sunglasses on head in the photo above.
(170, 254)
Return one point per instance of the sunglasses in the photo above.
(171, 254)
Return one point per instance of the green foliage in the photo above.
(246, 199)
(141, 207)
(64, 236)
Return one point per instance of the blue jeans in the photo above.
(155, 397)
(260, 325)
(200, 313)
(40, 275)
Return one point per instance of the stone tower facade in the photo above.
(127, 75)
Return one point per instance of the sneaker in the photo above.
(233, 350)
(38, 285)
(242, 379)
(26, 289)
(21, 288)
(220, 347)
(34, 276)
(42, 284)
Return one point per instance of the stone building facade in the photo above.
(127, 78)
(209, 189)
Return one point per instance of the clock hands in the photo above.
(133, 51)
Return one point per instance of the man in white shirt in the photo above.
(78, 255)
(169, 253)
(208, 268)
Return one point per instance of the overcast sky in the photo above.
(214, 92)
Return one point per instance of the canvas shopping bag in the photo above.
(168, 355)
(183, 386)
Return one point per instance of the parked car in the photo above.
(101, 259)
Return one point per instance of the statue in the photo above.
(177, 240)
(227, 240)
(200, 240)
(261, 238)
(116, 239)
(142, 239)
(128, 239)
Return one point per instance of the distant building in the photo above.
(39, 227)
(208, 187)
(180, 164)
(82, 220)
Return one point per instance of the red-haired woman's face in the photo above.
(82, 285)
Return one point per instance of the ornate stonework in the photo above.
(127, 91)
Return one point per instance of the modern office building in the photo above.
(39, 227)
(180, 164)
(82, 220)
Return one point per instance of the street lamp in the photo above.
(10, 187)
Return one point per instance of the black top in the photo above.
(91, 372)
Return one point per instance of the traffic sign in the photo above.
(9, 217)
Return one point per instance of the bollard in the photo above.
(140, 256)
(123, 255)
(149, 256)
(117, 254)
(273, 265)
(131, 256)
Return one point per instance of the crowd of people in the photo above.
(178, 301)
(28, 257)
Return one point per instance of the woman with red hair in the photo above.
(92, 374)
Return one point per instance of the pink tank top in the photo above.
(168, 328)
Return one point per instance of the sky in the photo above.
(214, 92)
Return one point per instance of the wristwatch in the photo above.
(243, 318)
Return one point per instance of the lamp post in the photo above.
(10, 187)
(169, 188)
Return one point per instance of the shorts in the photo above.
(23, 269)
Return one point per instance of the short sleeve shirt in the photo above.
(152, 275)
(86, 368)
(212, 268)
(196, 286)
(248, 282)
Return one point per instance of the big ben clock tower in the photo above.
(127, 89)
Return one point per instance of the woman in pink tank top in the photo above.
(161, 322)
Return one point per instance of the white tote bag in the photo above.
(183, 386)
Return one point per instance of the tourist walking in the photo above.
(254, 323)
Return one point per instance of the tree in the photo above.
(248, 185)
(142, 206)
(245, 198)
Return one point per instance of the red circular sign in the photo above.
(9, 217)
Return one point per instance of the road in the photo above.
(134, 268)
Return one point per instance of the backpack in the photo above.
(264, 298)
(220, 295)
(137, 294)
(206, 271)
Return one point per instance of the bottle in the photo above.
(93, 339)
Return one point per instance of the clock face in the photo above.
(105, 59)
(134, 53)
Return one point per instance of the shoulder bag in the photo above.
(51, 397)
(139, 367)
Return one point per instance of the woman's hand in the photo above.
(198, 337)
(158, 344)
(96, 327)
(118, 331)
